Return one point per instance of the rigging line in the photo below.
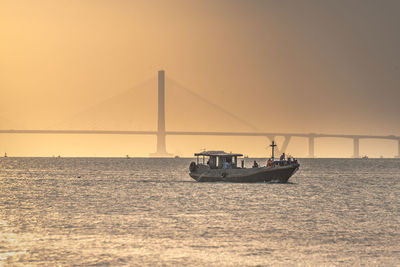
(93, 107)
(214, 105)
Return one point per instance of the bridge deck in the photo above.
(309, 135)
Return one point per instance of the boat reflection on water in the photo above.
(219, 166)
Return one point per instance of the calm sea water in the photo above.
(109, 211)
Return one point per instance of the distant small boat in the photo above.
(246, 157)
(365, 157)
(5, 155)
(177, 157)
(127, 156)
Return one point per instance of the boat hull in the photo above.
(279, 174)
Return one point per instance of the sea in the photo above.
(149, 212)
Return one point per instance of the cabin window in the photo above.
(234, 162)
(213, 162)
(220, 162)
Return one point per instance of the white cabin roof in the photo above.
(217, 153)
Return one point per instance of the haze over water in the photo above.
(283, 66)
(146, 212)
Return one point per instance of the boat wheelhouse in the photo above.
(218, 159)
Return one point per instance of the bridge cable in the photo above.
(213, 104)
(104, 102)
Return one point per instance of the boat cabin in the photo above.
(218, 159)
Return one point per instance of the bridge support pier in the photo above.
(285, 143)
(398, 149)
(356, 147)
(161, 147)
(311, 153)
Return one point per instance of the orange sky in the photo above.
(287, 66)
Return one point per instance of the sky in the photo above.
(281, 66)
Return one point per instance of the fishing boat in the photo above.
(219, 166)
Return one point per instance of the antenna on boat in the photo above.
(273, 145)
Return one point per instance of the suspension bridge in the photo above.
(162, 133)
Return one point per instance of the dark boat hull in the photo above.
(279, 174)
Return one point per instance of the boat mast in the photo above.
(273, 145)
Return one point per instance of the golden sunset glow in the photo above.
(280, 66)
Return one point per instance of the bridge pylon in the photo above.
(398, 149)
(161, 136)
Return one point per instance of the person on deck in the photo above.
(270, 163)
(226, 165)
(255, 164)
(282, 160)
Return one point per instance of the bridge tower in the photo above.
(161, 147)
